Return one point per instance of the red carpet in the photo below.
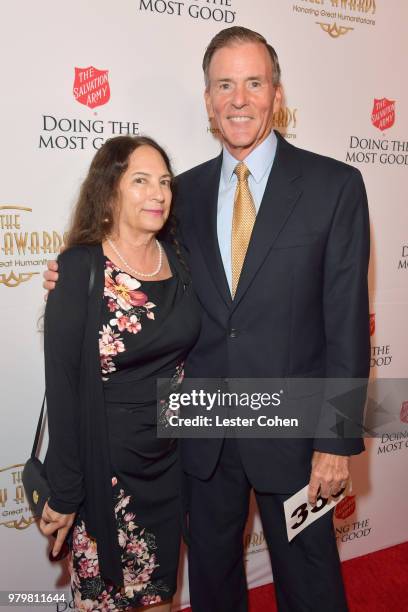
(374, 583)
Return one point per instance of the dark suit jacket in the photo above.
(301, 306)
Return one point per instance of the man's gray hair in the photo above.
(239, 35)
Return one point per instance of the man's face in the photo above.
(241, 97)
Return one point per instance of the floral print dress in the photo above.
(146, 330)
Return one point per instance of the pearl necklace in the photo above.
(136, 272)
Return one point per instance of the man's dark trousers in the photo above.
(306, 571)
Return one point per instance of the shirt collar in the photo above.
(259, 161)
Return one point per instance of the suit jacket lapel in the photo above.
(281, 194)
(205, 218)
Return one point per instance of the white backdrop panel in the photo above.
(152, 51)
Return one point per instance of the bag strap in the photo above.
(92, 275)
(38, 431)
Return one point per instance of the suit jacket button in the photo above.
(233, 333)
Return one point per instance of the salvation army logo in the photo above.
(91, 86)
(404, 412)
(383, 113)
(345, 507)
(372, 324)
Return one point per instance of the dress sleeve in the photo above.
(64, 328)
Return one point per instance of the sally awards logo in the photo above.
(23, 248)
(254, 543)
(91, 86)
(285, 121)
(14, 510)
(338, 17)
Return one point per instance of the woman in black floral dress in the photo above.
(116, 485)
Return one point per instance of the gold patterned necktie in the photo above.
(242, 223)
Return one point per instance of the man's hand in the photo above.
(330, 474)
(50, 276)
(51, 522)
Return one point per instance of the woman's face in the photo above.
(144, 194)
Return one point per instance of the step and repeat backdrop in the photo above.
(76, 74)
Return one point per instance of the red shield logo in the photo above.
(383, 113)
(345, 507)
(91, 86)
(372, 324)
(404, 412)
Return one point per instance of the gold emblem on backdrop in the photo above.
(285, 121)
(333, 30)
(15, 512)
(254, 543)
(12, 280)
(23, 249)
(337, 17)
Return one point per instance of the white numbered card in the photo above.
(299, 514)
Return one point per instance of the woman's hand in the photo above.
(52, 522)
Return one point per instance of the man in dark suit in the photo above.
(278, 251)
(278, 245)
